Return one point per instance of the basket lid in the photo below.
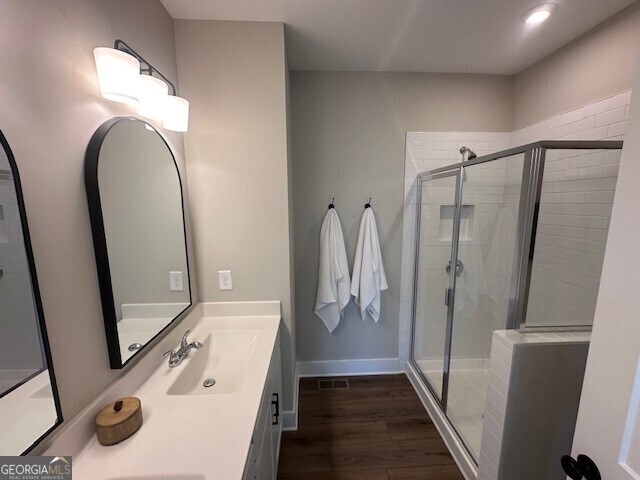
(117, 412)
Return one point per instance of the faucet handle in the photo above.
(185, 342)
(174, 358)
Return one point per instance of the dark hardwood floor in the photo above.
(375, 430)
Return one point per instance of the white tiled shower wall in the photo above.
(571, 185)
(575, 209)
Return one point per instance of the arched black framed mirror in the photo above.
(29, 402)
(136, 207)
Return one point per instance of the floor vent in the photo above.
(333, 384)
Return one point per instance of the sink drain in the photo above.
(209, 382)
(134, 346)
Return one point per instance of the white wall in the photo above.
(51, 106)
(348, 143)
(234, 75)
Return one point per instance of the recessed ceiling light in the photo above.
(539, 14)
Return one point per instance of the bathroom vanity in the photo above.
(262, 461)
(229, 430)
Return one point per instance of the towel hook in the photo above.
(368, 204)
(331, 204)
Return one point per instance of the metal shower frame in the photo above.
(528, 210)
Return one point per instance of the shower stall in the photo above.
(511, 240)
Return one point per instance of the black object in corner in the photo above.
(582, 467)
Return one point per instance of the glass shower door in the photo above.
(434, 242)
(490, 199)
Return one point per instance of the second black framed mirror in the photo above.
(137, 215)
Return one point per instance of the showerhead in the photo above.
(470, 154)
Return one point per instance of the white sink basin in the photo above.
(225, 357)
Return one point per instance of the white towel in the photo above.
(333, 273)
(368, 271)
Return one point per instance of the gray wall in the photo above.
(51, 105)
(599, 64)
(234, 75)
(348, 142)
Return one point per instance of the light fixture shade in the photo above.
(152, 99)
(176, 114)
(118, 74)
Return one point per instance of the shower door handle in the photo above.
(447, 296)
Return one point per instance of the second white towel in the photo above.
(333, 273)
(368, 277)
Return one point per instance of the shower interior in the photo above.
(485, 216)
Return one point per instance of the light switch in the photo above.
(175, 282)
(224, 278)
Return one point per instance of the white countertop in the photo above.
(189, 436)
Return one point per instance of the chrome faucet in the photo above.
(176, 358)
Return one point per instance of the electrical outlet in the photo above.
(175, 282)
(224, 278)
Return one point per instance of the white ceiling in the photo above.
(462, 36)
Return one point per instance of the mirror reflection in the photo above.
(145, 279)
(28, 408)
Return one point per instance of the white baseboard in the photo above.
(290, 417)
(332, 368)
(290, 421)
(460, 455)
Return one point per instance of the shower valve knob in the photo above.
(459, 267)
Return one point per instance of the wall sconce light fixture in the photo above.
(125, 76)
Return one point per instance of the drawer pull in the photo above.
(276, 403)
